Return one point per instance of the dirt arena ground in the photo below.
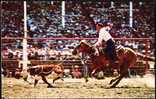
(135, 87)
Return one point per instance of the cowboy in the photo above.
(104, 36)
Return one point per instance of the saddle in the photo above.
(118, 50)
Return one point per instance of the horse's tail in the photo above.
(145, 57)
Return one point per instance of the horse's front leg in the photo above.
(45, 80)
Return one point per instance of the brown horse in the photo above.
(126, 58)
(45, 70)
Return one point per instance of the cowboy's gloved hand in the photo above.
(96, 52)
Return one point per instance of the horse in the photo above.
(45, 70)
(126, 58)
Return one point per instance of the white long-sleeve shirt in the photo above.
(103, 35)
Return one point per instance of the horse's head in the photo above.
(83, 47)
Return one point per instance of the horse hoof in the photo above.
(49, 86)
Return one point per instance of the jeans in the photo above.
(110, 50)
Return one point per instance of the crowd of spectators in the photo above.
(44, 21)
(11, 19)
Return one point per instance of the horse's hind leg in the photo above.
(45, 80)
(123, 72)
(116, 82)
(114, 79)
